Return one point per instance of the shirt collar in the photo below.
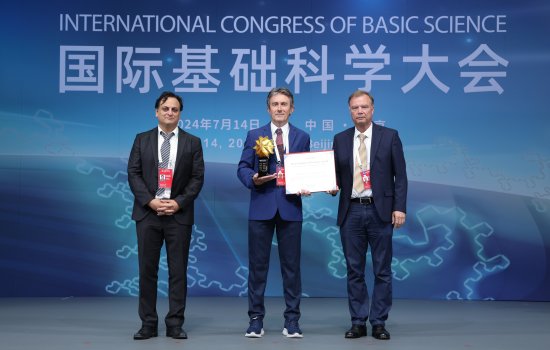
(285, 128)
(175, 131)
(367, 132)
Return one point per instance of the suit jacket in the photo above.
(388, 171)
(188, 174)
(266, 199)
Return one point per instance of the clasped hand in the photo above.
(164, 206)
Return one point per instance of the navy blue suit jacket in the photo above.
(266, 199)
(188, 174)
(387, 166)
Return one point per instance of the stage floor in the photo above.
(219, 323)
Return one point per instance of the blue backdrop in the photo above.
(465, 83)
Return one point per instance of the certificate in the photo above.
(311, 171)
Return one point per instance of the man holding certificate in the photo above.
(261, 169)
(371, 173)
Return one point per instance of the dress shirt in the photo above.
(368, 139)
(285, 128)
(173, 153)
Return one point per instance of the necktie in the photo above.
(357, 178)
(164, 154)
(280, 144)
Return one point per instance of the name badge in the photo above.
(365, 176)
(280, 175)
(165, 178)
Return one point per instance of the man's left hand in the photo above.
(168, 207)
(398, 219)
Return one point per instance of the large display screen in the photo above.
(464, 83)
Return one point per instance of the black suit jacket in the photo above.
(387, 166)
(188, 174)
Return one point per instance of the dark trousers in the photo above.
(361, 228)
(289, 238)
(152, 231)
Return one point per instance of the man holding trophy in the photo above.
(261, 169)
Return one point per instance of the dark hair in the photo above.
(164, 96)
(358, 93)
(282, 91)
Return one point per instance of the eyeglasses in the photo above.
(165, 109)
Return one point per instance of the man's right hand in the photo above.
(160, 206)
(261, 180)
(334, 191)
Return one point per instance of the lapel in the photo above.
(266, 131)
(348, 147)
(154, 142)
(182, 139)
(292, 134)
(376, 137)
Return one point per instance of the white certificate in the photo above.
(311, 171)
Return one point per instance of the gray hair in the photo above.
(282, 91)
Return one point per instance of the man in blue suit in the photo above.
(271, 209)
(372, 176)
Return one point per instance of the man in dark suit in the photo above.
(272, 209)
(371, 174)
(166, 174)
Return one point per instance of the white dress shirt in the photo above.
(285, 128)
(368, 139)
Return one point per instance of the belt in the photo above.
(363, 200)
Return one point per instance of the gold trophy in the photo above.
(264, 147)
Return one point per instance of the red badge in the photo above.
(365, 176)
(165, 178)
(280, 175)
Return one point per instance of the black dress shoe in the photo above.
(379, 332)
(176, 333)
(145, 332)
(356, 331)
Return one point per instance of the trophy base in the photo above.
(263, 167)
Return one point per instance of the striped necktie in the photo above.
(164, 155)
